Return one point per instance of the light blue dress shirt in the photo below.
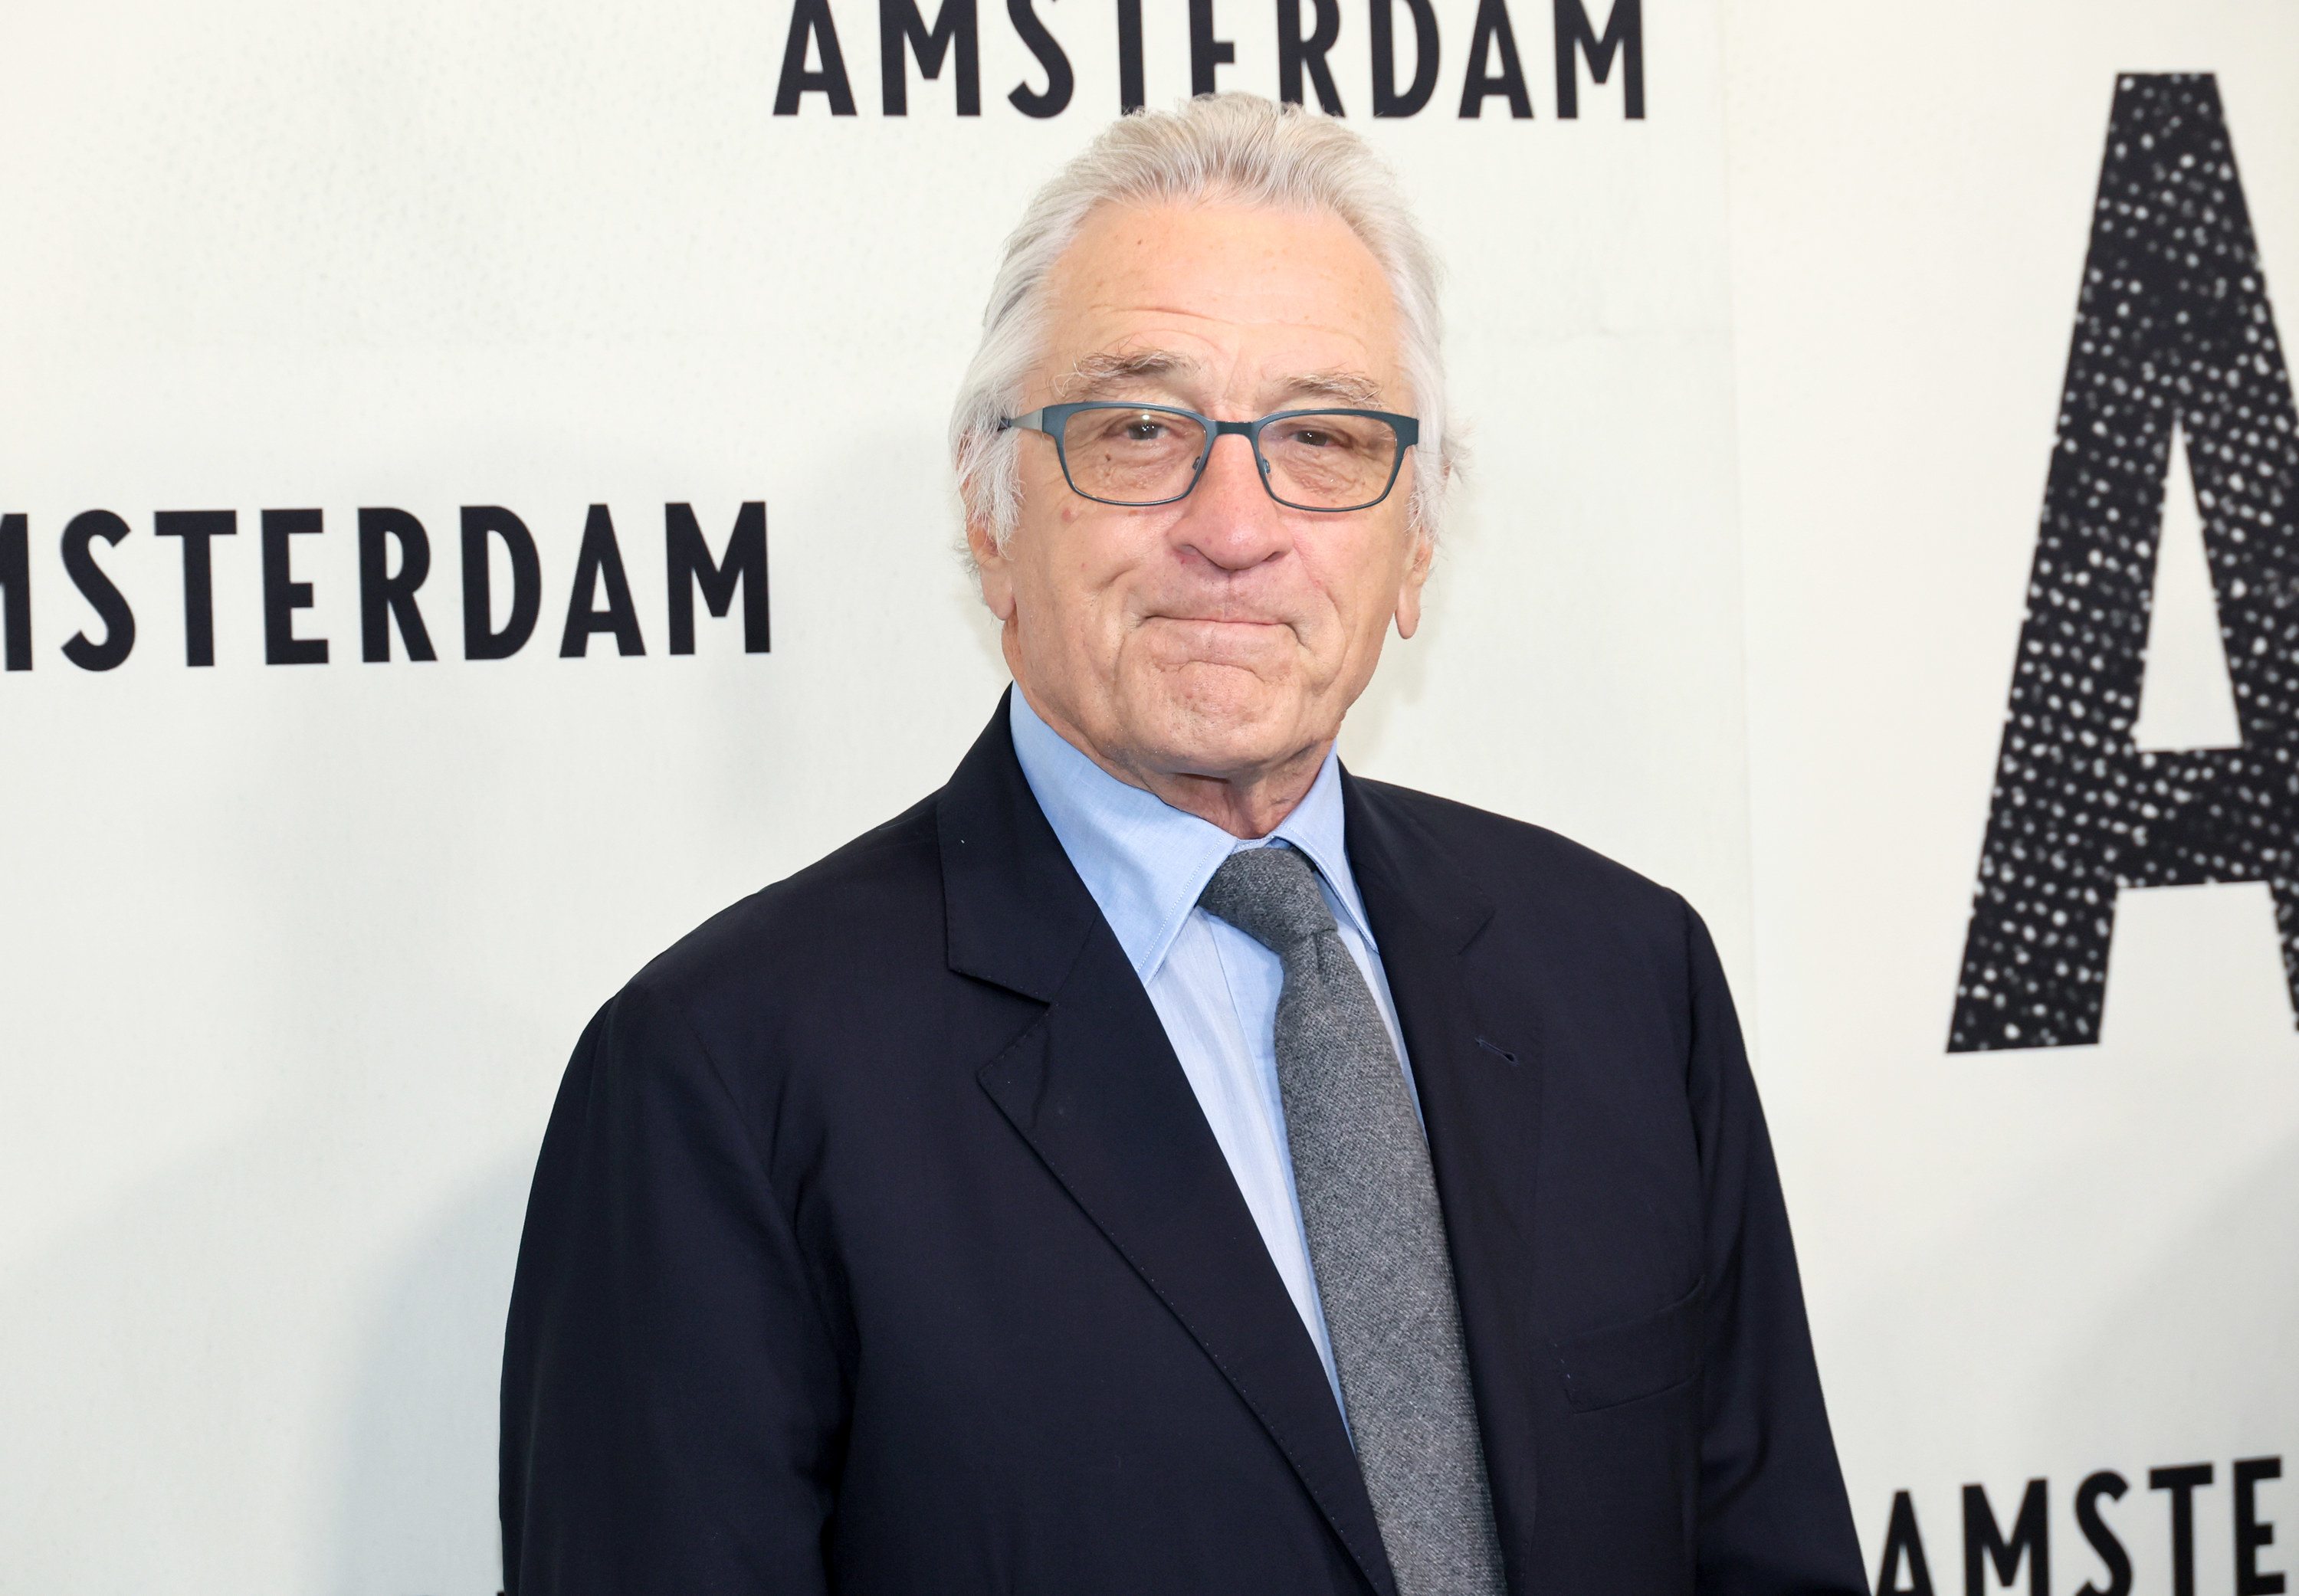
(1214, 987)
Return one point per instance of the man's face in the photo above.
(1223, 635)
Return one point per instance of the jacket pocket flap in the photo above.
(1620, 1363)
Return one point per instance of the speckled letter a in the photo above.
(2173, 334)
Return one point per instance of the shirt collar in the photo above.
(1144, 861)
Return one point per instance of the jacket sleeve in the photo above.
(1774, 1520)
(673, 1402)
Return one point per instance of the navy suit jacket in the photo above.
(878, 1245)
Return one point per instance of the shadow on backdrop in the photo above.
(419, 1515)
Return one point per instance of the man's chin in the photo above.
(1218, 731)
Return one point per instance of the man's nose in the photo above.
(1228, 517)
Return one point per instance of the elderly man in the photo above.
(1160, 1161)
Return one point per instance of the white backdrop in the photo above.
(294, 953)
(2023, 1264)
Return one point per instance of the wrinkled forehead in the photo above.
(1217, 299)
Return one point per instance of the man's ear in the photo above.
(1416, 575)
(990, 566)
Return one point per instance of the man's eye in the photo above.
(1143, 429)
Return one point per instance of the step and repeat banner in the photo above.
(473, 503)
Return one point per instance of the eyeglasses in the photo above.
(1143, 454)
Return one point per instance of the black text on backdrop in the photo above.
(1905, 1570)
(2174, 341)
(814, 60)
(395, 561)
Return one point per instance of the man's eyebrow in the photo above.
(1351, 388)
(1105, 370)
(1101, 372)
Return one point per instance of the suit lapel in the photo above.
(1481, 1101)
(1095, 1090)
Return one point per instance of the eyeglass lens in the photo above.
(1319, 461)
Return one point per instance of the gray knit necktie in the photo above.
(1376, 1236)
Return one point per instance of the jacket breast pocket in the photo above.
(1622, 1364)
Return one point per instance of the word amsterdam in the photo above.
(814, 62)
(1989, 1547)
(394, 560)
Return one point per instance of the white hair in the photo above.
(1236, 148)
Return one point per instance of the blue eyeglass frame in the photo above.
(1050, 419)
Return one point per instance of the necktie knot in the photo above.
(1271, 895)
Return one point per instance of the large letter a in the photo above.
(2173, 332)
